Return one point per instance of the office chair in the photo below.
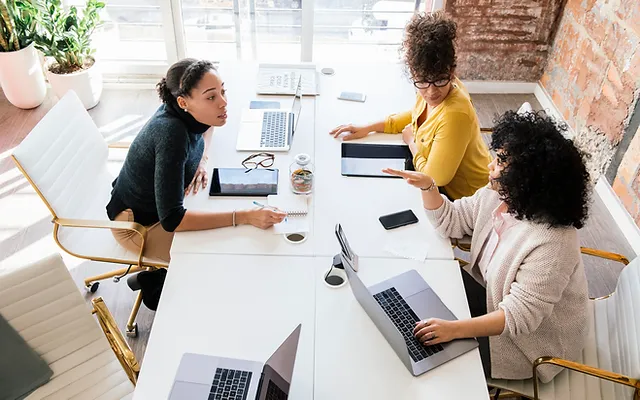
(42, 303)
(64, 158)
(610, 364)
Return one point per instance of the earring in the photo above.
(184, 109)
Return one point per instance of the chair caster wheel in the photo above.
(92, 288)
(133, 332)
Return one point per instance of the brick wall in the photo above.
(503, 39)
(593, 77)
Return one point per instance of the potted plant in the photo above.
(65, 37)
(21, 74)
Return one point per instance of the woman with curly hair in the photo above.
(167, 160)
(442, 130)
(525, 284)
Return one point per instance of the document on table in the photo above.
(296, 206)
(283, 78)
(407, 242)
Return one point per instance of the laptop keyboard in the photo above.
(405, 320)
(230, 384)
(275, 393)
(274, 129)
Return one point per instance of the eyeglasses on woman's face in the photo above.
(439, 83)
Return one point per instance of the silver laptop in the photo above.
(202, 377)
(395, 305)
(269, 129)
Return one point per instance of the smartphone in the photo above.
(398, 219)
(352, 96)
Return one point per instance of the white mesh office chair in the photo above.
(64, 158)
(42, 303)
(610, 365)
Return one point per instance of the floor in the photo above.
(25, 227)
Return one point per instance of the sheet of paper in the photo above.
(289, 203)
(292, 225)
(297, 206)
(282, 79)
(407, 242)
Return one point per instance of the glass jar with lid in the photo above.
(301, 174)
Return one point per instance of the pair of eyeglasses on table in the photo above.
(264, 160)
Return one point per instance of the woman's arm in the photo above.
(449, 219)
(194, 220)
(449, 146)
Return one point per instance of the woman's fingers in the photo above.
(343, 128)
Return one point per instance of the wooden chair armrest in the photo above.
(116, 340)
(585, 369)
(605, 254)
(119, 145)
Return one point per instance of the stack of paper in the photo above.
(407, 242)
(283, 78)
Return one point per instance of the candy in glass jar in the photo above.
(301, 174)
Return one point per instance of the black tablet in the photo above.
(242, 182)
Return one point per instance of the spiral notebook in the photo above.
(293, 205)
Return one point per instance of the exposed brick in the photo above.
(630, 13)
(597, 26)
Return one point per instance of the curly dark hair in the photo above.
(181, 78)
(544, 179)
(428, 46)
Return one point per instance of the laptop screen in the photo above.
(297, 104)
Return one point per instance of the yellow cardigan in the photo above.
(450, 148)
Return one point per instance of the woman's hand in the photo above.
(200, 179)
(355, 132)
(407, 135)
(417, 179)
(434, 330)
(262, 218)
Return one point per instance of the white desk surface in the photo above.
(231, 306)
(240, 82)
(354, 361)
(356, 202)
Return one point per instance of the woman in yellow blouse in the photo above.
(442, 130)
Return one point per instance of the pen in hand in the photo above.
(270, 208)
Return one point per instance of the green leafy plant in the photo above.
(17, 24)
(66, 35)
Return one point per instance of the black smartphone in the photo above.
(398, 219)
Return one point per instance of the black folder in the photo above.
(368, 159)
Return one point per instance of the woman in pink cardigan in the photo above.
(525, 284)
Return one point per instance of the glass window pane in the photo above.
(211, 29)
(359, 29)
(278, 30)
(133, 31)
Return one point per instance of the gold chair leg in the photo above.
(132, 326)
(111, 274)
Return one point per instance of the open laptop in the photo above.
(395, 305)
(269, 129)
(202, 377)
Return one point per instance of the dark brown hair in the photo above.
(428, 46)
(181, 78)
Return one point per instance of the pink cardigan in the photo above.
(536, 276)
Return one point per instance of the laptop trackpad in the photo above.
(426, 304)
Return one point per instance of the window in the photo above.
(145, 36)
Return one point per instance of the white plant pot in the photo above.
(86, 83)
(21, 77)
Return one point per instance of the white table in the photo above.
(231, 306)
(354, 361)
(357, 203)
(240, 82)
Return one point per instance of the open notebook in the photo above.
(296, 207)
(283, 79)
